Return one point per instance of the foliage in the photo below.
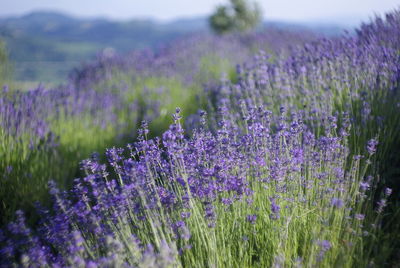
(240, 16)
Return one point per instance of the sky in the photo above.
(285, 10)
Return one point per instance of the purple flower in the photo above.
(251, 218)
(381, 205)
(364, 186)
(371, 146)
(9, 169)
(325, 245)
(185, 215)
(275, 209)
(227, 201)
(359, 217)
(337, 202)
(388, 191)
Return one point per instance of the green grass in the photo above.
(32, 168)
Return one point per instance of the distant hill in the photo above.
(55, 36)
(46, 45)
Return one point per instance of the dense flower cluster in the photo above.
(164, 185)
(352, 73)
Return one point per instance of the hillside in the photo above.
(45, 46)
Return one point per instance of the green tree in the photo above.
(238, 16)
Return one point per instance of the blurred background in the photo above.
(46, 39)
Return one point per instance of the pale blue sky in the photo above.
(289, 10)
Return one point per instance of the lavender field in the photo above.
(266, 149)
